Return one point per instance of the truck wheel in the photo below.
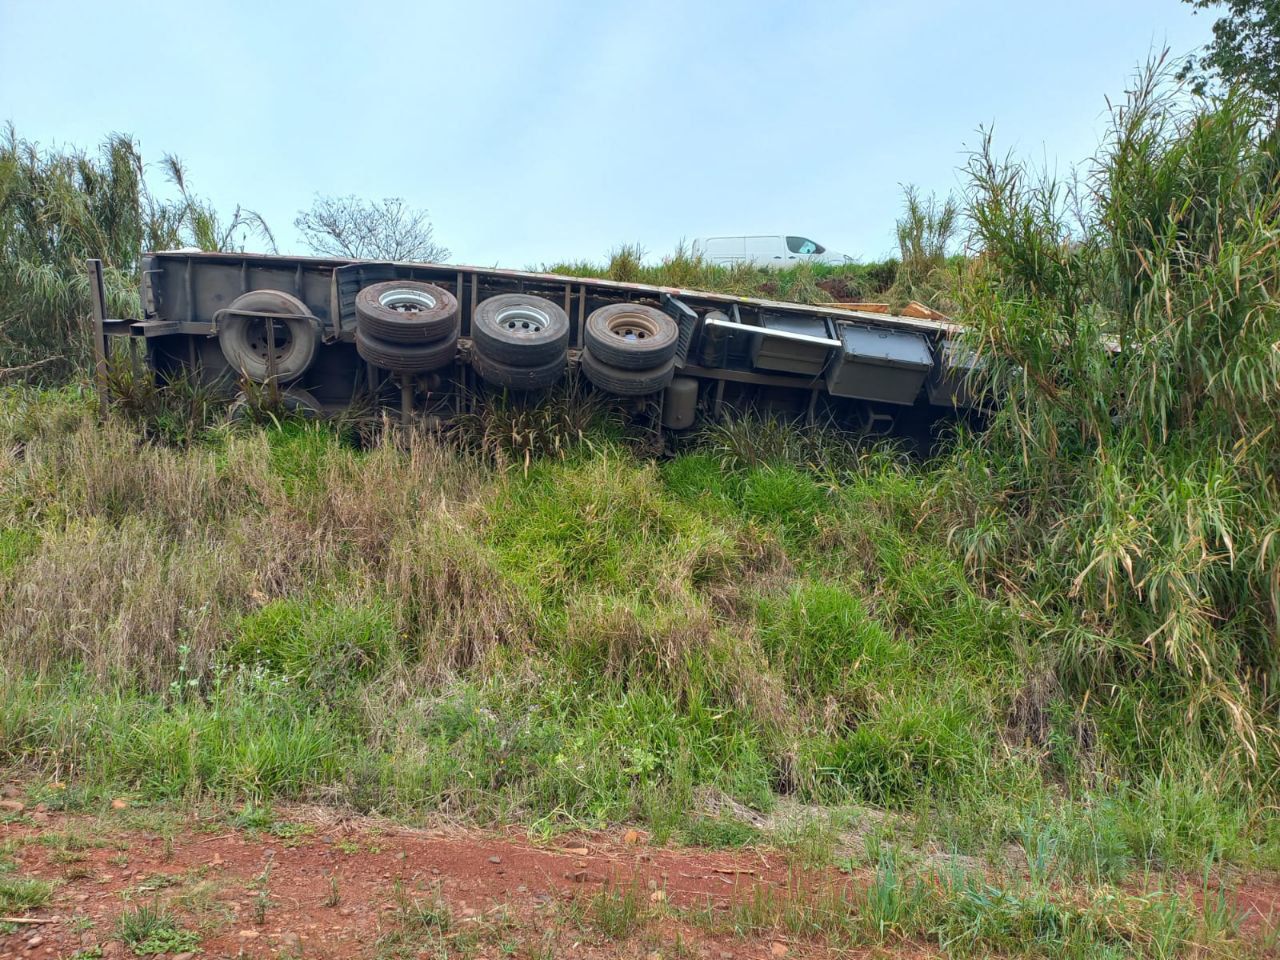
(631, 336)
(520, 330)
(512, 377)
(405, 357)
(406, 311)
(293, 400)
(627, 383)
(248, 345)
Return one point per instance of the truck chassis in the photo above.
(872, 373)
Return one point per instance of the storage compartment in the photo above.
(792, 345)
(950, 383)
(878, 364)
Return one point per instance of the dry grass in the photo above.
(144, 553)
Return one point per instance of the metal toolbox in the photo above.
(792, 344)
(950, 380)
(876, 363)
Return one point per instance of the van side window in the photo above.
(801, 245)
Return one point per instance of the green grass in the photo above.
(721, 831)
(19, 894)
(151, 929)
(807, 283)
(964, 913)
(322, 644)
(589, 639)
(16, 544)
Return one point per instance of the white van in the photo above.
(776, 252)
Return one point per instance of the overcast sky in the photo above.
(537, 132)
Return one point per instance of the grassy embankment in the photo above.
(273, 613)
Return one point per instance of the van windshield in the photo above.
(801, 245)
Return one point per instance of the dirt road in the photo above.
(314, 886)
(308, 882)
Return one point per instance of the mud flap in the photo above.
(687, 321)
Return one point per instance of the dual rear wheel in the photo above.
(629, 349)
(407, 327)
(520, 341)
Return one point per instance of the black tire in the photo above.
(292, 399)
(243, 338)
(406, 311)
(507, 375)
(520, 330)
(405, 357)
(627, 383)
(631, 336)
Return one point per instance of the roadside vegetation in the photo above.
(1050, 648)
(807, 283)
(926, 268)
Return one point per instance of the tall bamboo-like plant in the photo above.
(1130, 323)
(925, 232)
(61, 207)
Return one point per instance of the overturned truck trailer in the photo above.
(429, 339)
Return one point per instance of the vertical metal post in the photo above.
(458, 285)
(406, 399)
(98, 297)
(582, 313)
(273, 383)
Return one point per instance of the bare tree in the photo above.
(361, 229)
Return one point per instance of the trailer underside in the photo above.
(866, 372)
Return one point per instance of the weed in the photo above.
(291, 833)
(254, 817)
(720, 831)
(261, 887)
(334, 895)
(200, 899)
(152, 929)
(619, 914)
(23, 893)
(419, 925)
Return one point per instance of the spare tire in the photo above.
(512, 377)
(520, 330)
(407, 357)
(406, 311)
(244, 337)
(631, 336)
(627, 383)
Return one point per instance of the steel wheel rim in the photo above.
(522, 320)
(633, 327)
(407, 301)
(281, 340)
